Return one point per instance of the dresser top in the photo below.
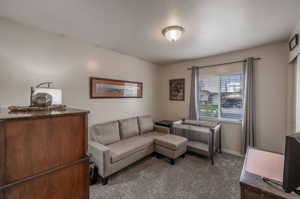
(5, 114)
(259, 164)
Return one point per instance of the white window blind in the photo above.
(209, 96)
(220, 96)
(231, 96)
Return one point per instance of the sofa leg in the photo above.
(183, 155)
(104, 181)
(172, 161)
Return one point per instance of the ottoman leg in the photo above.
(104, 181)
(158, 156)
(172, 161)
(212, 160)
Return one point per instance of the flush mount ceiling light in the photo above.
(173, 33)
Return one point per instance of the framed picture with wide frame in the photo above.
(112, 88)
(176, 89)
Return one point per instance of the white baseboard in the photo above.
(231, 152)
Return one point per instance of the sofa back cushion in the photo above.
(106, 133)
(145, 124)
(128, 128)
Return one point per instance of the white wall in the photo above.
(271, 90)
(29, 56)
(291, 103)
(297, 95)
(296, 51)
(294, 82)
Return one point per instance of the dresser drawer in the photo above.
(71, 182)
(36, 145)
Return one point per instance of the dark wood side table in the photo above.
(166, 123)
(258, 165)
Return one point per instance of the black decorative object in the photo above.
(93, 173)
(293, 43)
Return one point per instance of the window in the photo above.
(220, 97)
(209, 96)
(231, 96)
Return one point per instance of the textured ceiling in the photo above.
(134, 27)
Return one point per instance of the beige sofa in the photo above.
(117, 144)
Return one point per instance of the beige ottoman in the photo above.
(171, 146)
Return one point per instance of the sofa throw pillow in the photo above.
(129, 128)
(145, 124)
(106, 133)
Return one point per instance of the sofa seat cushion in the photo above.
(172, 142)
(145, 124)
(106, 133)
(153, 135)
(129, 128)
(126, 147)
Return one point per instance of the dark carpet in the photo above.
(190, 178)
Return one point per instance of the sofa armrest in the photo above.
(100, 154)
(162, 129)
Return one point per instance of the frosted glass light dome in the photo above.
(173, 33)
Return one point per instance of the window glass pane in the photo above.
(209, 96)
(231, 96)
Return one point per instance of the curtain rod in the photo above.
(226, 63)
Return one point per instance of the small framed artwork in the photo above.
(176, 87)
(293, 43)
(111, 88)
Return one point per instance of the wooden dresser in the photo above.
(258, 165)
(43, 155)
